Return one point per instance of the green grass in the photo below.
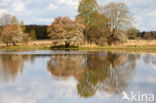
(150, 48)
(24, 48)
(131, 48)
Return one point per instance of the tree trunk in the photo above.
(7, 44)
(67, 45)
(14, 44)
(113, 32)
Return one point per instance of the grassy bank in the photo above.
(136, 48)
(25, 48)
(98, 48)
(33, 45)
(45, 45)
(113, 48)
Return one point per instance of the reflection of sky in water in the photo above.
(36, 85)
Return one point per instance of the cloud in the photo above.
(18, 6)
(68, 2)
(39, 12)
(52, 7)
(12, 5)
(4, 3)
(3, 11)
(45, 20)
(152, 13)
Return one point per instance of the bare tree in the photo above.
(15, 21)
(119, 16)
(6, 19)
(11, 30)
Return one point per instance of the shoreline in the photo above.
(131, 45)
(131, 48)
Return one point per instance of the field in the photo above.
(131, 45)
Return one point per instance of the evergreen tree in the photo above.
(33, 34)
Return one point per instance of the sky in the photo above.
(44, 11)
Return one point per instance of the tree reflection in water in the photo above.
(95, 71)
(11, 66)
(149, 59)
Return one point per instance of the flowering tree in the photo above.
(11, 34)
(65, 32)
(11, 30)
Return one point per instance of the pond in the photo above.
(77, 77)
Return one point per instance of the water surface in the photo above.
(75, 76)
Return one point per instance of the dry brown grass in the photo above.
(143, 44)
(128, 43)
(140, 42)
(89, 45)
(40, 42)
(33, 43)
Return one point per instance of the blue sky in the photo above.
(44, 11)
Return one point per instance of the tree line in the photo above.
(13, 31)
(95, 23)
(37, 31)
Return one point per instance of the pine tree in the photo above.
(33, 34)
